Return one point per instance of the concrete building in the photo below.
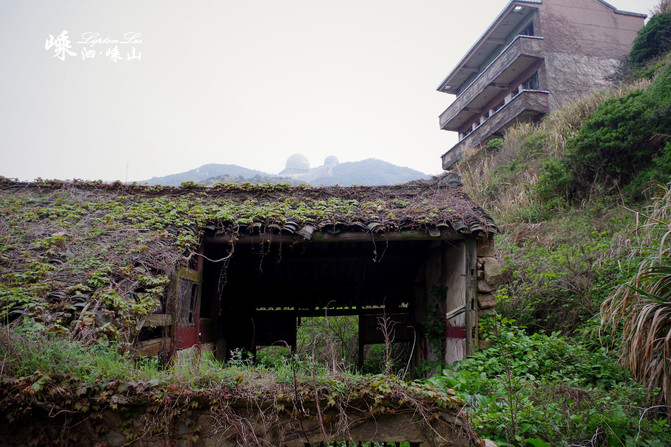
(535, 56)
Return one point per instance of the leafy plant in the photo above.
(557, 273)
(540, 389)
(652, 40)
(641, 307)
(618, 148)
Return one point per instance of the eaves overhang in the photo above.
(521, 54)
(493, 37)
(528, 105)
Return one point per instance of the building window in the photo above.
(529, 30)
(531, 83)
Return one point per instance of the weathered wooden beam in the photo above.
(157, 320)
(191, 275)
(301, 312)
(471, 297)
(454, 312)
(409, 235)
(154, 346)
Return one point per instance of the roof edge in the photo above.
(620, 11)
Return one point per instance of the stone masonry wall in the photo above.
(489, 278)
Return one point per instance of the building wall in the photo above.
(574, 76)
(587, 27)
(535, 18)
(584, 42)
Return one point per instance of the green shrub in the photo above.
(640, 309)
(653, 40)
(26, 351)
(613, 144)
(554, 183)
(540, 389)
(620, 148)
(495, 143)
(556, 274)
(658, 172)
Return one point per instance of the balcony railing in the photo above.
(500, 74)
(525, 106)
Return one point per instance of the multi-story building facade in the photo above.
(536, 56)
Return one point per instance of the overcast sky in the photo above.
(231, 81)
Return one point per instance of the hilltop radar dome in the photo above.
(298, 162)
(331, 161)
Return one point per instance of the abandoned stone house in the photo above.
(535, 57)
(410, 252)
(260, 258)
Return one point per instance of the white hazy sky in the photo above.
(230, 81)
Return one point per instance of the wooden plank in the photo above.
(157, 320)
(471, 297)
(409, 235)
(154, 346)
(191, 275)
(454, 268)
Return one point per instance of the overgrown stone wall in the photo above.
(235, 426)
(489, 278)
(252, 410)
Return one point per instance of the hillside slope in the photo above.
(583, 202)
(562, 192)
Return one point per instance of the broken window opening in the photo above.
(531, 83)
(188, 298)
(528, 30)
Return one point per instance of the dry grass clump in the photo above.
(664, 6)
(502, 179)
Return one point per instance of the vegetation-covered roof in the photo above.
(92, 257)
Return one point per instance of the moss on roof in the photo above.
(94, 258)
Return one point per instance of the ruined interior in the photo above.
(255, 294)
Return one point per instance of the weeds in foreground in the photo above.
(541, 390)
(246, 401)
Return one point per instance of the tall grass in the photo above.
(640, 310)
(25, 351)
(502, 179)
(664, 6)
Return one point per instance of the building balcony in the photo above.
(501, 75)
(529, 105)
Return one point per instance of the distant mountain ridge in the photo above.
(205, 172)
(369, 172)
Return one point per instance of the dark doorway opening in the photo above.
(258, 295)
